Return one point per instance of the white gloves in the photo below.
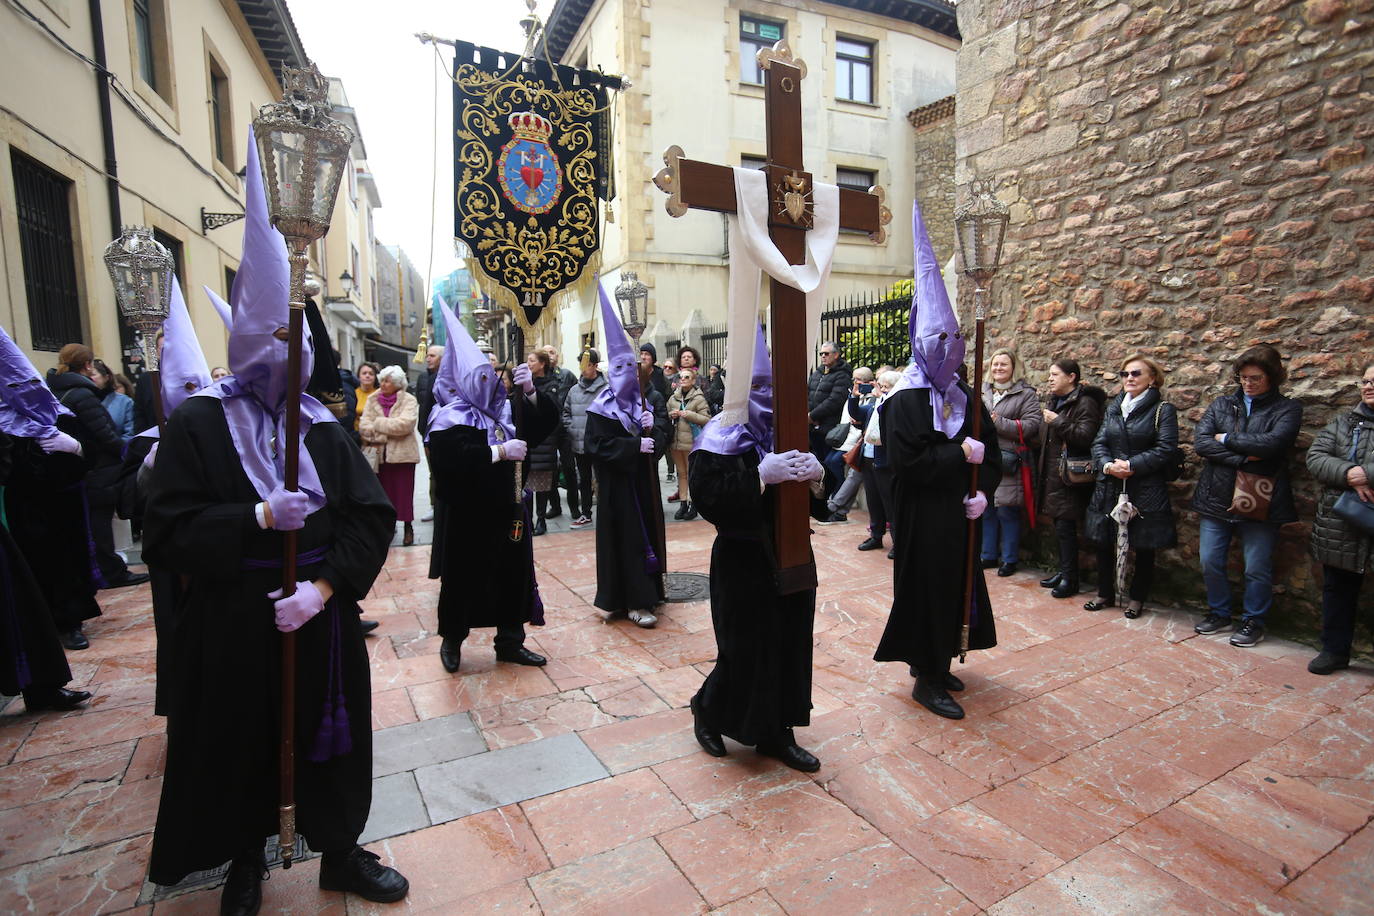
(521, 376)
(152, 457)
(975, 506)
(515, 449)
(293, 613)
(646, 446)
(975, 451)
(60, 443)
(646, 419)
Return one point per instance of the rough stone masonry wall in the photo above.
(1187, 178)
(933, 161)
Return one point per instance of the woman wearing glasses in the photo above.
(1131, 452)
(1243, 492)
(1342, 460)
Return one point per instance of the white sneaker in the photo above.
(608, 616)
(645, 619)
(427, 518)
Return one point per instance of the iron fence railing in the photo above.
(871, 329)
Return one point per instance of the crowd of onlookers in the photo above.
(1087, 462)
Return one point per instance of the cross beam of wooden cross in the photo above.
(694, 185)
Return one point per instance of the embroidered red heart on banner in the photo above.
(532, 177)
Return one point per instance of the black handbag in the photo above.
(838, 433)
(1349, 506)
(1076, 472)
(1011, 461)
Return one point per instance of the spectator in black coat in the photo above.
(145, 412)
(424, 388)
(648, 356)
(1250, 430)
(567, 464)
(828, 389)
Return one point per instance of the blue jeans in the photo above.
(1257, 540)
(1002, 527)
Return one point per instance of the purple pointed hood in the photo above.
(224, 309)
(254, 397)
(937, 346)
(475, 395)
(182, 369)
(621, 400)
(757, 431)
(27, 406)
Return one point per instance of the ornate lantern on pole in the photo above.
(632, 301)
(981, 225)
(303, 152)
(141, 270)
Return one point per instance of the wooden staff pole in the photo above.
(971, 550)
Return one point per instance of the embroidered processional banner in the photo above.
(531, 158)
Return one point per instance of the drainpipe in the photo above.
(102, 91)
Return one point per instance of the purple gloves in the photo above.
(777, 468)
(646, 446)
(807, 467)
(646, 419)
(292, 613)
(289, 509)
(975, 506)
(515, 449)
(60, 443)
(975, 451)
(521, 376)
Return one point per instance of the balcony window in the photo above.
(854, 70)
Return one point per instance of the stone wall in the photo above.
(933, 160)
(1186, 178)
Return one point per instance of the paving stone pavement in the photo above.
(1106, 765)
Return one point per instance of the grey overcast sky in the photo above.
(390, 78)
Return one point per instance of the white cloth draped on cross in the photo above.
(753, 252)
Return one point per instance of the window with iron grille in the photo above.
(854, 70)
(221, 128)
(754, 35)
(43, 202)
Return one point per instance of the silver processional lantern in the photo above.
(141, 270)
(981, 226)
(632, 300)
(303, 152)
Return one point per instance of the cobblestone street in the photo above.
(1105, 766)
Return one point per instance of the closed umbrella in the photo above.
(1122, 513)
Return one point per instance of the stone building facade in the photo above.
(933, 165)
(1186, 179)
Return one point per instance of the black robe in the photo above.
(219, 791)
(45, 506)
(629, 513)
(930, 479)
(487, 579)
(761, 684)
(30, 653)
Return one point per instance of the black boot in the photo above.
(936, 698)
(540, 528)
(681, 513)
(361, 872)
(786, 749)
(1052, 581)
(1066, 588)
(710, 741)
(691, 513)
(450, 654)
(242, 894)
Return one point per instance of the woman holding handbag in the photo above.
(1243, 491)
(387, 427)
(689, 413)
(1071, 420)
(1015, 409)
(1342, 460)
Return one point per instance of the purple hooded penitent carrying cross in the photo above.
(471, 393)
(757, 431)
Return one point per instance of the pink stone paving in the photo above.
(1106, 766)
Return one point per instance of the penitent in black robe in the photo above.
(30, 653)
(219, 790)
(930, 479)
(46, 511)
(629, 514)
(761, 684)
(487, 579)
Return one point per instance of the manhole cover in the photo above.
(685, 586)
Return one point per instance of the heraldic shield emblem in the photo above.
(527, 171)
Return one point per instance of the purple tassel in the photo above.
(651, 564)
(96, 577)
(333, 737)
(324, 737)
(343, 735)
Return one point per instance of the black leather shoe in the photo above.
(1052, 581)
(361, 872)
(521, 656)
(1328, 662)
(872, 544)
(681, 512)
(989, 564)
(710, 741)
(1065, 589)
(450, 654)
(367, 626)
(73, 639)
(936, 699)
(242, 894)
(691, 513)
(892, 554)
(1006, 569)
(951, 682)
(540, 528)
(37, 699)
(128, 579)
(792, 754)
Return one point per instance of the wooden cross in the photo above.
(694, 185)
